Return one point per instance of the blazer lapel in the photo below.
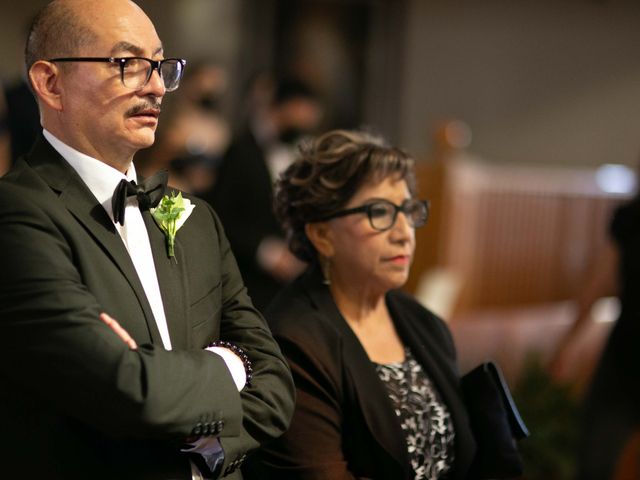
(171, 278)
(426, 351)
(79, 200)
(371, 394)
(440, 370)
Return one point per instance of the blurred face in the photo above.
(102, 117)
(298, 116)
(377, 261)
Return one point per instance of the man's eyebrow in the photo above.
(131, 48)
(126, 47)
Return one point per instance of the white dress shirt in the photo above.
(102, 180)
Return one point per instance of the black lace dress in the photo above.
(424, 418)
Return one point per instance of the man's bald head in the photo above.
(57, 31)
(86, 104)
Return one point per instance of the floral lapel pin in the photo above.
(170, 215)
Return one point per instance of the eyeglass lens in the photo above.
(383, 215)
(136, 72)
(171, 73)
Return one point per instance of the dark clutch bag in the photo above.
(495, 421)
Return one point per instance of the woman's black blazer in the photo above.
(344, 425)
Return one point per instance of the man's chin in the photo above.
(144, 138)
(141, 131)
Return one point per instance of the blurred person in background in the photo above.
(23, 118)
(5, 154)
(192, 140)
(243, 191)
(376, 378)
(611, 412)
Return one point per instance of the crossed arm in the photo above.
(74, 366)
(233, 362)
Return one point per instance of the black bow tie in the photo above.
(149, 193)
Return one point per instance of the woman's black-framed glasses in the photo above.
(135, 72)
(382, 214)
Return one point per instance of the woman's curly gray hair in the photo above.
(326, 175)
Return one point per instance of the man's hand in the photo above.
(234, 364)
(121, 332)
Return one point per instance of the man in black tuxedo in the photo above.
(143, 396)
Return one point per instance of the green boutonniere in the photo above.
(170, 215)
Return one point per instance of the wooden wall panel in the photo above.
(511, 235)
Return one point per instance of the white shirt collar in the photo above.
(101, 178)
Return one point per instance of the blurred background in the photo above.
(538, 81)
(523, 117)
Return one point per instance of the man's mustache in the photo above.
(141, 107)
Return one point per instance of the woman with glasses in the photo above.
(375, 372)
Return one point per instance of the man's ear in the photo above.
(319, 234)
(45, 81)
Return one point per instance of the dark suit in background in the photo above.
(75, 401)
(23, 118)
(612, 404)
(243, 197)
(344, 424)
(243, 192)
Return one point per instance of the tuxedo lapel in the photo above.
(171, 279)
(79, 200)
(372, 395)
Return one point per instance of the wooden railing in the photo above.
(510, 235)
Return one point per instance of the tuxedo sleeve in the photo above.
(268, 401)
(55, 351)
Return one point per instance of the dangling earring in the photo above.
(325, 266)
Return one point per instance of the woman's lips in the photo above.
(398, 259)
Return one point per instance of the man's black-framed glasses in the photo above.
(135, 72)
(382, 214)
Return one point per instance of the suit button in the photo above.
(197, 430)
